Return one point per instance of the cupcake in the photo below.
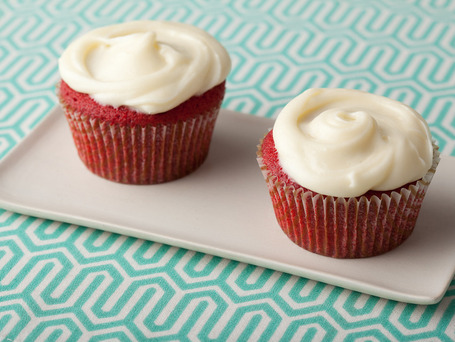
(142, 98)
(347, 171)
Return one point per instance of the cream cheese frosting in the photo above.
(343, 143)
(150, 66)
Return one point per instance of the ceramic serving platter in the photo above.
(224, 209)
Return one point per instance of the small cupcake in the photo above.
(142, 98)
(347, 171)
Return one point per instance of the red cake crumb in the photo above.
(270, 157)
(126, 116)
(338, 227)
(123, 145)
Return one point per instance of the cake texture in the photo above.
(142, 105)
(122, 145)
(357, 226)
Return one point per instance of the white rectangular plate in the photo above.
(224, 209)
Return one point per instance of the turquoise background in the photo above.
(60, 282)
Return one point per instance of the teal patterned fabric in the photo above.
(60, 282)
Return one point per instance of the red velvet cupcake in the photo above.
(344, 226)
(142, 104)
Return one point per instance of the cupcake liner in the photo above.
(340, 227)
(137, 154)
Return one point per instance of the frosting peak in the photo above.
(151, 66)
(342, 143)
(135, 55)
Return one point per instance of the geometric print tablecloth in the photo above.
(60, 282)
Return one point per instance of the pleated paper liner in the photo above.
(149, 154)
(339, 227)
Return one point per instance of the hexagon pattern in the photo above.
(60, 282)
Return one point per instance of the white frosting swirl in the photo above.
(151, 66)
(342, 143)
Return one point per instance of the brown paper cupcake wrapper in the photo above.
(347, 227)
(148, 154)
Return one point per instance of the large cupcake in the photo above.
(141, 99)
(347, 171)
